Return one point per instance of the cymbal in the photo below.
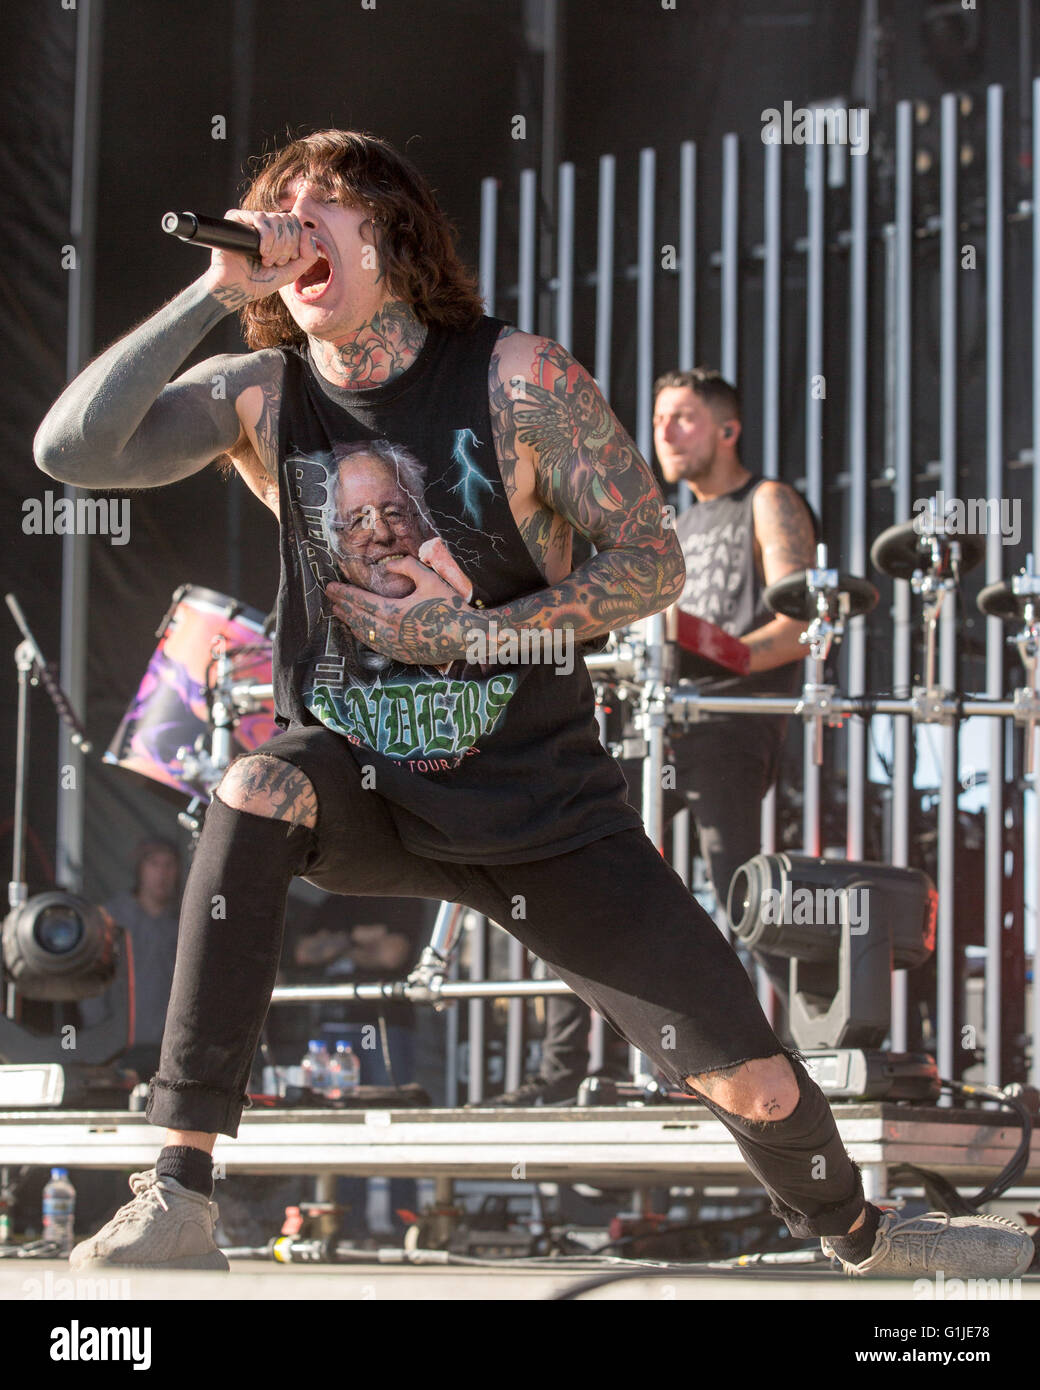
(792, 597)
(900, 550)
(1000, 601)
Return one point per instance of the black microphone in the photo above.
(216, 232)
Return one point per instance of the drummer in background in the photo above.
(742, 533)
(149, 915)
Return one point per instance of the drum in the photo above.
(171, 708)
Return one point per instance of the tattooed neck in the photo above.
(378, 350)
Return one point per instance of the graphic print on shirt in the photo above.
(362, 506)
(716, 560)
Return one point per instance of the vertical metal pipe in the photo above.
(771, 282)
(451, 1043)
(527, 279)
(687, 274)
(552, 44)
(814, 385)
(515, 1019)
(899, 357)
(856, 732)
(681, 846)
(995, 635)
(243, 65)
(488, 242)
(654, 627)
(597, 1034)
(728, 355)
(647, 259)
(1034, 880)
(949, 248)
(75, 552)
(477, 971)
(605, 270)
(687, 256)
(565, 258)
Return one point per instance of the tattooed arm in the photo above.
(123, 423)
(566, 462)
(119, 424)
(581, 470)
(784, 543)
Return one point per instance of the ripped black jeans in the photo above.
(611, 918)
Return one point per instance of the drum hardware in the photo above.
(826, 599)
(1018, 601)
(427, 979)
(189, 719)
(934, 559)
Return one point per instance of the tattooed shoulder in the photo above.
(547, 535)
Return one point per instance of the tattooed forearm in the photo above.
(375, 353)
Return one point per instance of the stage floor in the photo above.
(257, 1279)
(633, 1145)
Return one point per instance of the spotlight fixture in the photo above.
(57, 946)
(844, 926)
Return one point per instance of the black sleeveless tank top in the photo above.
(487, 763)
(723, 586)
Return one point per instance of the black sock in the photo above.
(192, 1168)
(856, 1247)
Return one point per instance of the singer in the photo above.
(388, 777)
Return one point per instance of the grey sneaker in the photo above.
(979, 1247)
(166, 1226)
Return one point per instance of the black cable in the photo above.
(1019, 1161)
(732, 1223)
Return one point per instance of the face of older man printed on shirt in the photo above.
(375, 522)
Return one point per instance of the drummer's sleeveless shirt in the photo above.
(479, 763)
(724, 587)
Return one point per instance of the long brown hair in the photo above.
(414, 239)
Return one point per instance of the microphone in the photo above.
(217, 232)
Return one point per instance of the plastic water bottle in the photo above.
(59, 1210)
(345, 1071)
(315, 1067)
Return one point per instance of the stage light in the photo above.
(58, 947)
(845, 927)
(794, 905)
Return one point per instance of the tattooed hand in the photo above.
(286, 250)
(430, 627)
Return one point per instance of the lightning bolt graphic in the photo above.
(471, 480)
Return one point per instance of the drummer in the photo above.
(743, 533)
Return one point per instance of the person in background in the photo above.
(149, 915)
